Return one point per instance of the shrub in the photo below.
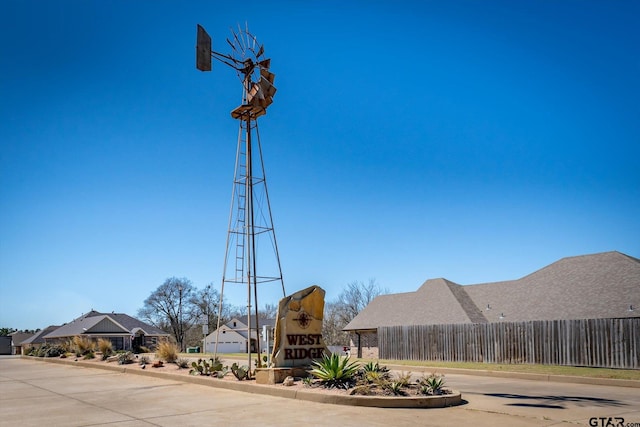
(144, 360)
(168, 352)
(105, 347)
(182, 363)
(49, 350)
(82, 345)
(335, 371)
(89, 355)
(125, 358)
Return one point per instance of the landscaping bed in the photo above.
(381, 389)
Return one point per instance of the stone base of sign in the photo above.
(277, 375)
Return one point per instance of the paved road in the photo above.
(34, 393)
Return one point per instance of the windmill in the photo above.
(250, 228)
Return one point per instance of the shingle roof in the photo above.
(38, 337)
(115, 322)
(18, 337)
(601, 285)
(432, 302)
(583, 287)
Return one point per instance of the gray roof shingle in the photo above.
(95, 322)
(601, 285)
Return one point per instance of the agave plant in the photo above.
(395, 388)
(372, 372)
(374, 367)
(335, 371)
(433, 384)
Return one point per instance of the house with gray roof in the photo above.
(37, 339)
(124, 332)
(598, 286)
(17, 338)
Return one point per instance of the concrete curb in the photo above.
(427, 369)
(336, 399)
(521, 376)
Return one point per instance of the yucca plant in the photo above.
(335, 371)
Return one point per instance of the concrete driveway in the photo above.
(33, 393)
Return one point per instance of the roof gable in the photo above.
(106, 325)
(433, 302)
(241, 322)
(17, 338)
(226, 334)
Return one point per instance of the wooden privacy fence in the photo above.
(611, 343)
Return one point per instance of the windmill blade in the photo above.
(253, 37)
(247, 33)
(260, 52)
(238, 44)
(242, 41)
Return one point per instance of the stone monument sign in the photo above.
(298, 330)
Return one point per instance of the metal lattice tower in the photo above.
(251, 256)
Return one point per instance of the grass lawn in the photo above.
(625, 374)
(576, 371)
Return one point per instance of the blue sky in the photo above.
(477, 141)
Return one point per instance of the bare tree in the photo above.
(207, 306)
(170, 308)
(351, 301)
(270, 311)
(332, 325)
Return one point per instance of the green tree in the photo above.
(6, 331)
